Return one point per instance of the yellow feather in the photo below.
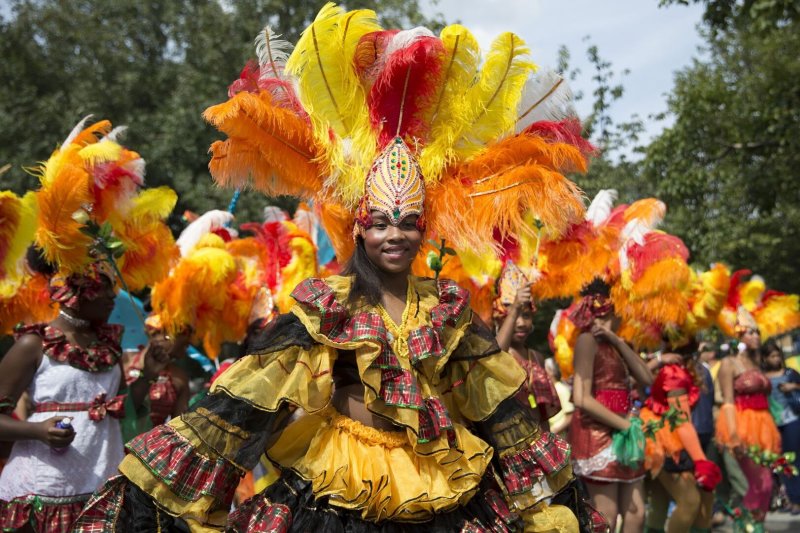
(462, 56)
(751, 292)
(779, 315)
(101, 152)
(20, 237)
(156, 203)
(491, 104)
(331, 92)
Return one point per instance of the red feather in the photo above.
(656, 247)
(405, 88)
(734, 298)
(564, 131)
(248, 80)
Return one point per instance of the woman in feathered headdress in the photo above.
(604, 366)
(92, 222)
(410, 421)
(745, 424)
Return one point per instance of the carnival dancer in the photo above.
(410, 418)
(513, 318)
(92, 223)
(744, 420)
(604, 366)
(674, 455)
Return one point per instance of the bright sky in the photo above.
(651, 42)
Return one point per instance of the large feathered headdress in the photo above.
(750, 305)
(358, 116)
(91, 181)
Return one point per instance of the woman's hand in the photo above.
(788, 387)
(156, 358)
(603, 333)
(47, 432)
(522, 300)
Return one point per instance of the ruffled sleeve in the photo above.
(190, 467)
(671, 378)
(479, 376)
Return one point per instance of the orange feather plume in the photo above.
(29, 305)
(269, 147)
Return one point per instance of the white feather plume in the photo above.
(76, 130)
(272, 53)
(205, 224)
(600, 208)
(546, 96)
(404, 38)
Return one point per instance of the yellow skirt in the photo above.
(377, 472)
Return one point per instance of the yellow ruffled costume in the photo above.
(438, 375)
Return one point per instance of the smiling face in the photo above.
(392, 248)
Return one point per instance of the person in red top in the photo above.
(604, 366)
(513, 312)
(744, 421)
(675, 457)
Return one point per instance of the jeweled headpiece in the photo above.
(744, 321)
(394, 186)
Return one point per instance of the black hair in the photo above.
(37, 263)
(367, 285)
(597, 287)
(769, 347)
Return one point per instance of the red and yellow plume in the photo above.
(775, 313)
(92, 178)
(477, 128)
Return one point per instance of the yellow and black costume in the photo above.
(361, 119)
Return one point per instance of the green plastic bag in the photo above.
(628, 445)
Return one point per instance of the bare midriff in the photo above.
(349, 401)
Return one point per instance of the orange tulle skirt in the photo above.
(755, 427)
(667, 443)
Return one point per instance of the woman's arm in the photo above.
(585, 351)
(181, 383)
(726, 377)
(506, 331)
(565, 422)
(639, 370)
(16, 372)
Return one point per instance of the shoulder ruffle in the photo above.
(98, 357)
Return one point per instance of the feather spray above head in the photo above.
(17, 227)
(92, 181)
(361, 85)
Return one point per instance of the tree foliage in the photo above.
(151, 65)
(727, 168)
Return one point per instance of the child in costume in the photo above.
(410, 419)
(70, 365)
(604, 365)
(674, 455)
(513, 316)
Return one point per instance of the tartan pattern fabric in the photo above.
(99, 357)
(547, 455)
(399, 386)
(176, 463)
(46, 513)
(98, 408)
(103, 508)
(433, 420)
(259, 515)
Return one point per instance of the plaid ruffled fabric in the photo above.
(103, 508)
(46, 513)
(259, 515)
(188, 473)
(99, 357)
(399, 385)
(523, 469)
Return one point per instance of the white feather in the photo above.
(274, 213)
(137, 167)
(116, 134)
(546, 96)
(76, 130)
(555, 322)
(205, 224)
(272, 53)
(404, 38)
(600, 208)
